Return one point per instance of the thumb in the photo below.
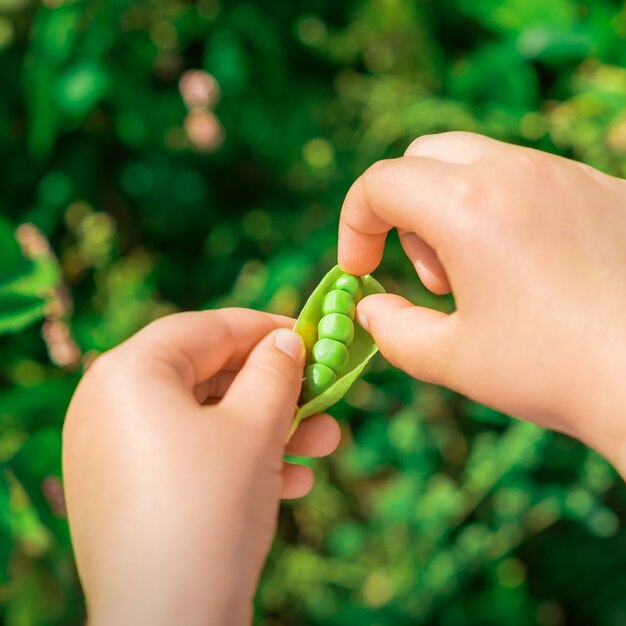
(267, 387)
(415, 339)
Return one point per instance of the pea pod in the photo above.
(361, 348)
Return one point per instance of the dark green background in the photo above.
(434, 511)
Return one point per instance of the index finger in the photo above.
(197, 345)
(409, 192)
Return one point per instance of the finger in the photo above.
(214, 388)
(415, 339)
(267, 388)
(454, 147)
(194, 346)
(411, 193)
(316, 436)
(297, 481)
(426, 262)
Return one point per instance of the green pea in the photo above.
(350, 284)
(336, 326)
(317, 378)
(325, 354)
(331, 353)
(338, 301)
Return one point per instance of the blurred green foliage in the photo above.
(160, 155)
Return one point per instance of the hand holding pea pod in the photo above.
(193, 411)
(538, 279)
(337, 349)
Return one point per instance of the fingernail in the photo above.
(362, 320)
(291, 344)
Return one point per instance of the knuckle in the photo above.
(173, 322)
(98, 380)
(159, 326)
(460, 134)
(422, 144)
(417, 146)
(102, 369)
(487, 188)
(112, 370)
(376, 171)
(227, 313)
(471, 191)
(529, 164)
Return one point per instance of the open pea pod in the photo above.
(361, 350)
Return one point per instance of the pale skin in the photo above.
(533, 247)
(174, 441)
(173, 466)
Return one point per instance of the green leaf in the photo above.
(24, 284)
(496, 73)
(43, 274)
(80, 88)
(362, 348)
(56, 30)
(37, 463)
(12, 262)
(6, 543)
(17, 311)
(515, 16)
(555, 44)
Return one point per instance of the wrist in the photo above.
(189, 597)
(184, 613)
(601, 415)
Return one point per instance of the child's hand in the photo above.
(173, 460)
(533, 247)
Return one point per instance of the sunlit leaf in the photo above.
(18, 311)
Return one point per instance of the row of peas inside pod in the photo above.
(335, 333)
(337, 349)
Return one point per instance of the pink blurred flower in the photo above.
(32, 241)
(199, 89)
(204, 130)
(62, 348)
(52, 489)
